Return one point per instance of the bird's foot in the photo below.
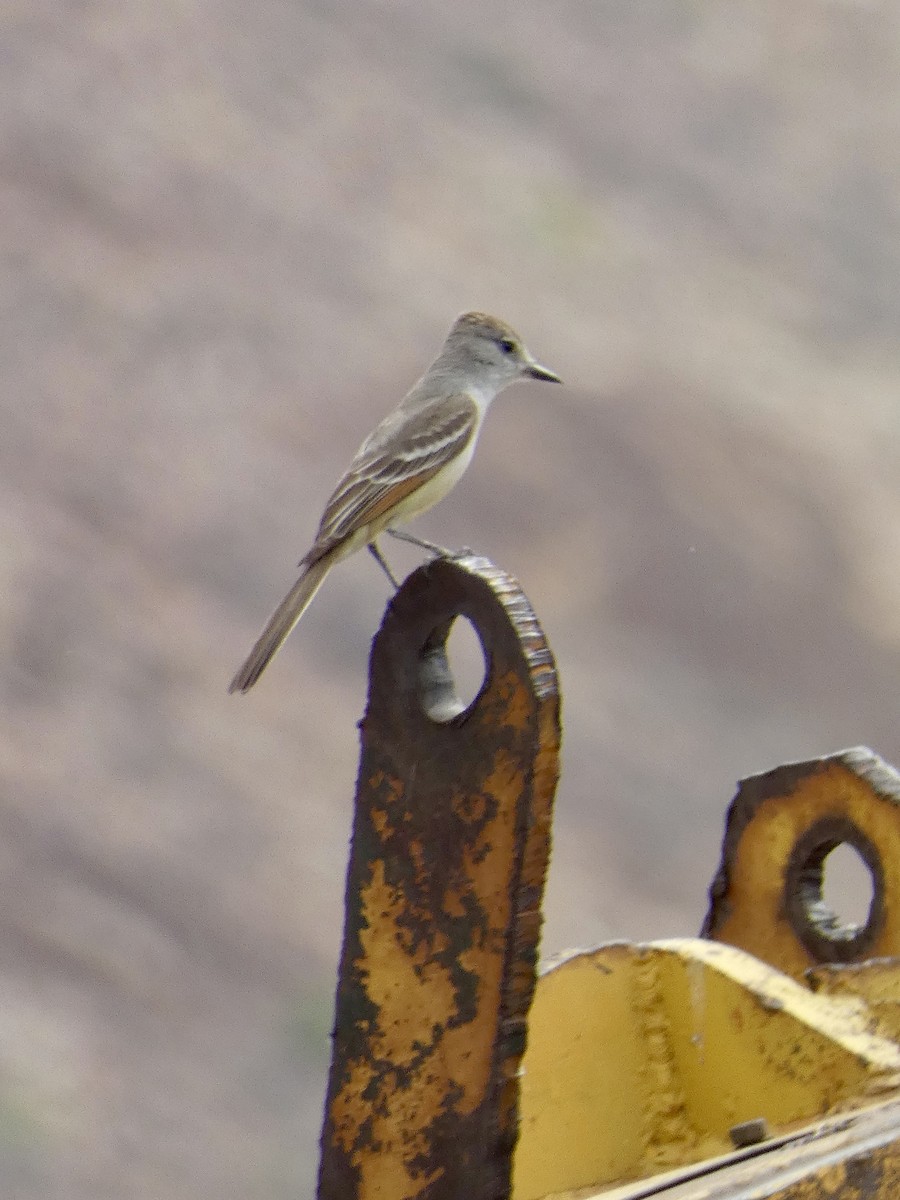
(430, 547)
(436, 551)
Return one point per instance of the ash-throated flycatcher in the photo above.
(410, 462)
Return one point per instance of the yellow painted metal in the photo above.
(876, 982)
(450, 848)
(641, 1058)
(844, 1158)
(780, 827)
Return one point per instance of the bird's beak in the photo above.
(534, 370)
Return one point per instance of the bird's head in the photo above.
(489, 346)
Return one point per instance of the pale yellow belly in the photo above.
(417, 502)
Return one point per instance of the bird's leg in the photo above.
(403, 536)
(382, 562)
(437, 551)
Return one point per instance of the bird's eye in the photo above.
(507, 345)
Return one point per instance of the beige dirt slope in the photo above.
(231, 237)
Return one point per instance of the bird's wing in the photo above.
(388, 468)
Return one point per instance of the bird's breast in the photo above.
(435, 488)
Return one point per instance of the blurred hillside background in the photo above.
(232, 236)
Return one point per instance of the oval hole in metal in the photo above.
(452, 670)
(826, 934)
(848, 888)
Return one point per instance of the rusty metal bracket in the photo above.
(450, 847)
(767, 895)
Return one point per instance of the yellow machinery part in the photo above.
(644, 1057)
(645, 1065)
(782, 825)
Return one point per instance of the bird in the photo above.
(409, 462)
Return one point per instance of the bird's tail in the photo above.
(280, 624)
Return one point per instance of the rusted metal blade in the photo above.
(450, 846)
